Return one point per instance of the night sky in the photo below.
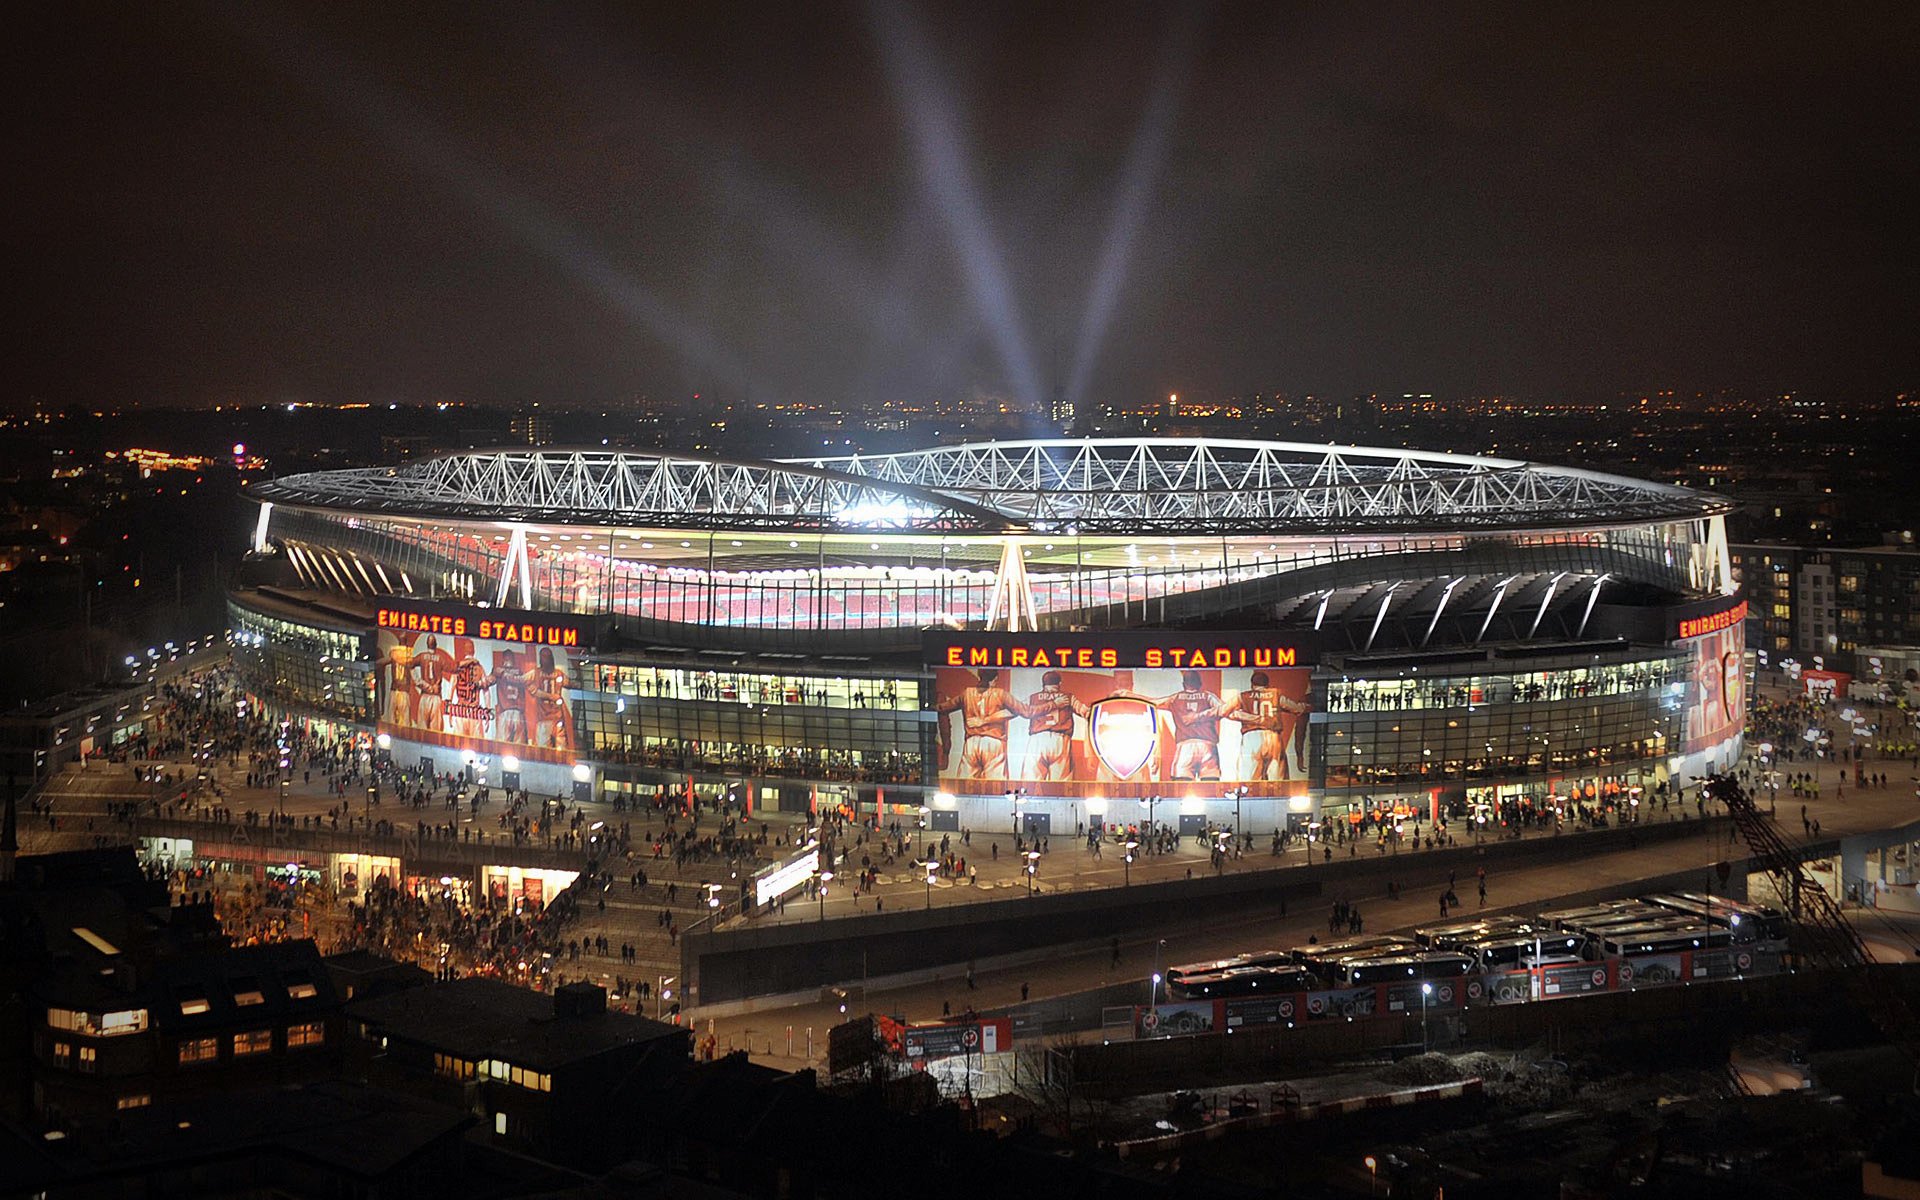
(846, 204)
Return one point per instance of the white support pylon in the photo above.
(1012, 598)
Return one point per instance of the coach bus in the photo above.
(1448, 937)
(1399, 968)
(1747, 922)
(1177, 976)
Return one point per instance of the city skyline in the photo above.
(853, 205)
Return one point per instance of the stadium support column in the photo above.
(1011, 605)
(516, 561)
(260, 526)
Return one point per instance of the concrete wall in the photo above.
(748, 960)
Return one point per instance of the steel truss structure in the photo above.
(1207, 486)
(1110, 486)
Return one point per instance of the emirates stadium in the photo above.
(1045, 635)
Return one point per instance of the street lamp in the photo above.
(1153, 992)
(1236, 795)
(1033, 867)
(932, 867)
(1014, 796)
(662, 994)
(1426, 994)
(1373, 1172)
(1127, 861)
(826, 877)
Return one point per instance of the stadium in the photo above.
(1046, 635)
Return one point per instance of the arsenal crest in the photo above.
(1124, 734)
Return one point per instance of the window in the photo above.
(126, 1102)
(63, 1054)
(246, 992)
(254, 1041)
(193, 1006)
(309, 1033)
(453, 1067)
(113, 1024)
(301, 991)
(89, 1058)
(198, 1050)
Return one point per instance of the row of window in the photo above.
(251, 1042)
(465, 1070)
(113, 1024)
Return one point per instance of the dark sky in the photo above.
(828, 202)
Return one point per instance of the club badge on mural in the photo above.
(1125, 732)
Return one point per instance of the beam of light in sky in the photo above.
(1146, 155)
(418, 145)
(934, 129)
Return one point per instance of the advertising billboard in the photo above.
(1120, 715)
(505, 691)
(1718, 708)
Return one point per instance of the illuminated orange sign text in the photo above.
(1726, 618)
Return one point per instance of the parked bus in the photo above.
(1748, 922)
(1175, 976)
(1317, 958)
(1508, 953)
(1245, 981)
(1448, 937)
(1580, 918)
(1399, 968)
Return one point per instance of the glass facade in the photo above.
(760, 723)
(1572, 721)
(298, 664)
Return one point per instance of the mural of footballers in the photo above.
(394, 672)
(1120, 731)
(1195, 713)
(1268, 720)
(484, 695)
(986, 708)
(547, 691)
(1050, 729)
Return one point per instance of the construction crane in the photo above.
(1826, 939)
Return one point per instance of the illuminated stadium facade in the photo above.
(1068, 631)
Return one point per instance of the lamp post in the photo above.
(1373, 1172)
(1153, 991)
(826, 877)
(1236, 795)
(1033, 867)
(1426, 994)
(1126, 861)
(662, 994)
(932, 867)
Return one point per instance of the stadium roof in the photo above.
(1108, 486)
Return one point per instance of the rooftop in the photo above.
(479, 1018)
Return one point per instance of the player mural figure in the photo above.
(398, 664)
(1267, 722)
(1195, 713)
(509, 684)
(552, 716)
(434, 667)
(1050, 729)
(985, 709)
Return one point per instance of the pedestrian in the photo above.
(969, 976)
(1443, 904)
(1115, 947)
(1023, 993)
(1483, 893)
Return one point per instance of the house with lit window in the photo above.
(545, 1074)
(120, 1033)
(113, 999)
